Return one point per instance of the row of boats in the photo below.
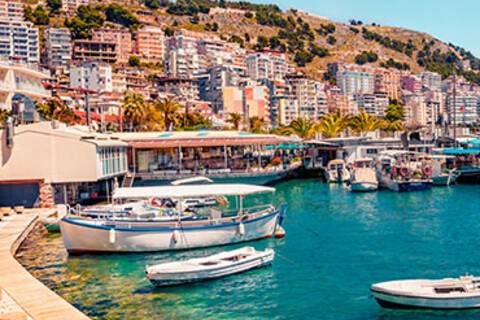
(394, 170)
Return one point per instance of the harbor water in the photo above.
(337, 244)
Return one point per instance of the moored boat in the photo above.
(219, 227)
(444, 294)
(363, 178)
(337, 171)
(207, 268)
(442, 172)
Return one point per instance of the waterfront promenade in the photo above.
(22, 296)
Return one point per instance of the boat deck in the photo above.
(21, 295)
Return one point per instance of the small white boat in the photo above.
(441, 174)
(211, 267)
(337, 171)
(364, 178)
(443, 294)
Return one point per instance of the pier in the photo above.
(21, 295)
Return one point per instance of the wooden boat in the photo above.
(337, 171)
(363, 178)
(444, 294)
(442, 175)
(142, 235)
(200, 269)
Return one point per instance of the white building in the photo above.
(19, 40)
(310, 94)
(58, 47)
(431, 80)
(94, 76)
(464, 110)
(21, 79)
(11, 10)
(353, 82)
(271, 65)
(183, 63)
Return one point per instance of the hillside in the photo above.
(311, 41)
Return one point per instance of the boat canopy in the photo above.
(191, 180)
(460, 151)
(189, 191)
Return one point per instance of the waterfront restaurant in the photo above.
(220, 154)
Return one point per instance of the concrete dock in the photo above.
(21, 295)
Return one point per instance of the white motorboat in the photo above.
(218, 265)
(219, 227)
(363, 178)
(337, 171)
(444, 294)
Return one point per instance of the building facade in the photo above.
(58, 47)
(94, 76)
(19, 41)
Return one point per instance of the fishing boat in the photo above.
(363, 178)
(219, 226)
(442, 173)
(215, 266)
(404, 171)
(444, 294)
(337, 171)
(467, 163)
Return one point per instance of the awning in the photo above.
(460, 151)
(190, 191)
(210, 142)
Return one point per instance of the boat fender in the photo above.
(175, 236)
(427, 170)
(241, 228)
(112, 235)
(394, 171)
(404, 171)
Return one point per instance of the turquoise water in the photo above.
(337, 244)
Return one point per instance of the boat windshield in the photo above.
(445, 290)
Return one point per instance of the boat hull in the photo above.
(363, 186)
(469, 175)
(397, 301)
(170, 279)
(79, 237)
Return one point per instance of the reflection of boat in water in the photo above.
(442, 173)
(207, 268)
(218, 227)
(444, 294)
(337, 171)
(363, 177)
(404, 171)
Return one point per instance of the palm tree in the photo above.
(363, 122)
(257, 125)
(134, 109)
(302, 127)
(55, 109)
(396, 125)
(332, 125)
(235, 118)
(169, 109)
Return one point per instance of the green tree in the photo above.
(41, 16)
(331, 40)
(302, 127)
(85, 20)
(135, 110)
(364, 122)
(332, 125)
(28, 14)
(366, 57)
(55, 109)
(169, 109)
(257, 125)
(235, 119)
(121, 15)
(168, 31)
(134, 61)
(54, 6)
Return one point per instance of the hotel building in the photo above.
(150, 44)
(58, 47)
(19, 41)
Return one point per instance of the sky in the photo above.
(455, 21)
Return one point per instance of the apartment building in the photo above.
(352, 80)
(310, 93)
(387, 81)
(463, 108)
(267, 64)
(373, 104)
(411, 83)
(286, 109)
(19, 41)
(70, 6)
(94, 76)
(58, 47)
(184, 63)
(184, 90)
(121, 37)
(211, 86)
(90, 50)
(150, 44)
(256, 101)
(430, 80)
(11, 10)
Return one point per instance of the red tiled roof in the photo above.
(212, 142)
